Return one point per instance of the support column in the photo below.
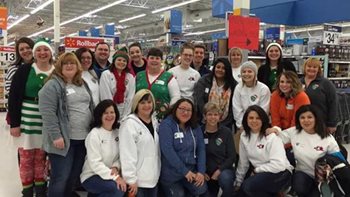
(56, 21)
(242, 8)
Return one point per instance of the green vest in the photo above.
(159, 89)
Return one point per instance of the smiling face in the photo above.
(248, 75)
(198, 56)
(154, 62)
(307, 122)
(108, 118)
(120, 63)
(184, 112)
(212, 118)
(186, 57)
(311, 70)
(285, 85)
(135, 54)
(69, 70)
(102, 52)
(42, 55)
(145, 107)
(236, 58)
(274, 53)
(254, 122)
(25, 52)
(86, 60)
(219, 70)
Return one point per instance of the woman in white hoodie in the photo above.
(139, 146)
(272, 171)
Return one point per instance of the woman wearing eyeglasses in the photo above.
(183, 152)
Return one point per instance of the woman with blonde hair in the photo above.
(66, 105)
(321, 92)
(235, 57)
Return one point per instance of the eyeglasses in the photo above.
(183, 110)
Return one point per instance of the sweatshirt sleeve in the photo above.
(274, 109)
(94, 157)
(106, 87)
(265, 99)
(237, 107)
(243, 163)
(48, 107)
(201, 160)
(174, 90)
(230, 152)
(286, 135)
(277, 156)
(130, 94)
(332, 104)
(300, 100)
(128, 151)
(166, 146)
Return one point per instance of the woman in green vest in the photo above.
(161, 83)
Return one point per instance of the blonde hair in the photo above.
(210, 106)
(313, 62)
(64, 58)
(139, 96)
(232, 50)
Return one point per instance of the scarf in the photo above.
(119, 95)
(220, 97)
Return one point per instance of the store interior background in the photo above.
(295, 19)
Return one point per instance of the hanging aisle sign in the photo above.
(73, 43)
(331, 34)
(243, 32)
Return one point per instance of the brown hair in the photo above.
(313, 62)
(186, 46)
(295, 82)
(69, 57)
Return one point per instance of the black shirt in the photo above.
(149, 126)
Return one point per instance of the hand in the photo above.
(190, 176)
(59, 143)
(199, 179)
(271, 130)
(331, 130)
(15, 131)
(216, 175)
(133, 188)
(121, 184)
(206, 177)
(114, 171)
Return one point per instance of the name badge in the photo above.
(290, 106)
(160, 82)
(178, 135)
(206, 90)
(206, 141)
(70, 91)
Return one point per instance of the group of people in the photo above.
(129, 126)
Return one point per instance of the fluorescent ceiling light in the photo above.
(173, 6)
(18, 21)
(82, 16)
(205, 32)
(42, 6)
(132, 18)
(11, 43)
(314, 28)
(99, 27)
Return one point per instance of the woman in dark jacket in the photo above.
(217, 87)
(274, 66)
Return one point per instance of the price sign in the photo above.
(331, 35)
(7, 55)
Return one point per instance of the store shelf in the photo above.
(339, 62)
(338, 78)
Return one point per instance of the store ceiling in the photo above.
(150, 26)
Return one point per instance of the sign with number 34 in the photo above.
(7, 55)
(331, 34)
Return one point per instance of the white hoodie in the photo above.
(139, 152)
(266, 155)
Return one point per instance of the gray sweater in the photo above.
(54, 110)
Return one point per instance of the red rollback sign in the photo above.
(244, 32)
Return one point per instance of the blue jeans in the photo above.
(147, 192)
(304, 185)
(65, 171)
(266, 184)
(225, 182)
(102, 188)
(183, 188)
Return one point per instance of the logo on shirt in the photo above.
(260, 146)
(315, 86)
(319, 148)
(191, 79)
(254, 97)
(117, 139)
(218, 141)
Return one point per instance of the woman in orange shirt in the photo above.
(286, 100)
